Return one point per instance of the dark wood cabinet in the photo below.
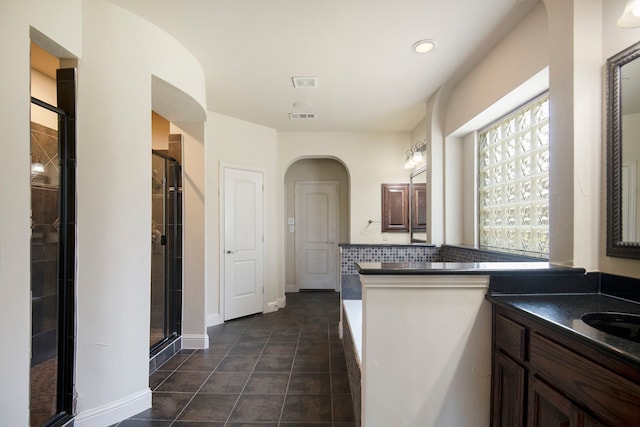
(395, 208)
(548, 408)
(508, 394)
(543, 377)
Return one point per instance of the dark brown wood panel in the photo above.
(607, 395)
(509, 392)
(548, 408)
(511, 337)
(395, 208)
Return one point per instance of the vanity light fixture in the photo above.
(37, 168)
(424, 46)
(415, 155)
(631, 16)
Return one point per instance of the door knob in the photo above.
(231, 252)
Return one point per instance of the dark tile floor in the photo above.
(279, 369)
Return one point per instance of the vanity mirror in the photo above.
(418, 205)
(623, 153)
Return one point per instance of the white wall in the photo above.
(371, 160)
(242, 144)
(519, 56)
(60, 20)
(119, 54)
(194, 327)
(492, 88)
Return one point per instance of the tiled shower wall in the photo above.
(44, 245)
(351, 254)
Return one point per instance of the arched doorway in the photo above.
(325, 186)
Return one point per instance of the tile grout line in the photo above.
(250, 372)
(286, 391)
(205, 381)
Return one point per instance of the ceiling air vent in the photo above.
(305, 82)
(302, 116)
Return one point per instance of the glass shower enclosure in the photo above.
(166, 250)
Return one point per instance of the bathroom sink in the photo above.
(623, 325)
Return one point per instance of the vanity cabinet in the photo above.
(543, 377)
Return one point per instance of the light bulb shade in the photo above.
(408, 164)
(417, 157)
(37, 168)
(631, 16)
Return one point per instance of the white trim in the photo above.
(291, 287)
(271, 307)
(195, 341)
(115, 412)
(276, 305)
(353, 311)
(213, 319)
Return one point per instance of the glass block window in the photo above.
(513, 181)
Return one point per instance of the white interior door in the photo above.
(316, 210)
(243, 244)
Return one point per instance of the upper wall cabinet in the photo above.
(395, 208)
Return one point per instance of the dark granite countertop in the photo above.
(464, 268)
(565, 311)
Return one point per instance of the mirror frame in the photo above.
(616, 247)
(412, 175)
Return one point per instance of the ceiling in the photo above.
(369, 78)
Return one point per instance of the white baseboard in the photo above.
(290, 287)
(115, 412)
(271, 307)
(276, 305)
(195, 341)
(213, 319)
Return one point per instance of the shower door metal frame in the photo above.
(172, 262)
(65, 85)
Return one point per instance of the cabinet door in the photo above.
(508, 393)
(548, 408)
(395, 208)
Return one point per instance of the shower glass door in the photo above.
(166, 249)
(52, 259)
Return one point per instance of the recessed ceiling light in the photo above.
(424, 46)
